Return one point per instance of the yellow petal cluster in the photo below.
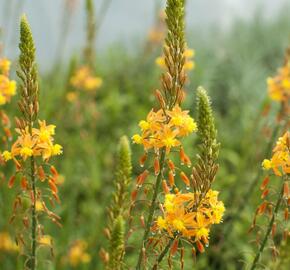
(7, 86)
(280, 161)
(163, 129)
(77, 253)
(189, 64)
(83, 79)
(279, 86)
(182, 217)
(40, 143)
(6, 243)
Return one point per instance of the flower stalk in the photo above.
(269, 228)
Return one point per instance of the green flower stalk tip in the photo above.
(117, 246)
(206, 126)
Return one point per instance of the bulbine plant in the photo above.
(273, 202)
(183, 211)
(35, 178)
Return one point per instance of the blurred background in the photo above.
(238, 45)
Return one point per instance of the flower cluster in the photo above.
(183, 218)
(7, 244)
(77, 253)
(279, 86)
(83, 79)
(39, 142)
(164, 128)
(189, 64)
(280, 161)
(7, 86)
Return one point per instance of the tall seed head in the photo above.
(27, 73)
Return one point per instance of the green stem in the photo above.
(152, 208)
(163, 253)
(270, 225)
(33, 216)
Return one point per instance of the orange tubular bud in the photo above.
(54, 194)
(200, 246)
(24, 183)
(52, 186)
(11, 181)
(185, 179)
(171, 165)
(142, 221)
(286, 214)
(41, 174)
(181, 155)
(262, 208)
(286, 190)
(187, 161)
(264, 183)
(265, 193)
(134, 194)
(171, 179)
(165, 187)
(142, 177)
(174, 247)
(156, 166)
(285, 235)
(142, 160)
(54, 171)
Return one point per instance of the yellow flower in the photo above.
(71, 96)
(45, 240)
(57, 150)
(6, 243)
(144, 125)
(5, 66)
(161, 223)
(280, 161)
(83, 79)
(178, 225)
(6, 155)
(137, 139)
(77, 253)
(267, 164)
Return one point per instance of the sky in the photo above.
(125, 21)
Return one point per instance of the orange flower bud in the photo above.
(286, 190)
(142, 160)
(265, 183)
(262, 207)
(54, 171)
(171, 165)
(41, 174)
(171, 178)
(142, 177)
(185, 179)
(24, 183)
(52, 186)
(200, 246)
(142, 221)
(286, 213)
(165, 187)
(265, 193)
(11, 181)
(134, 194)
(174, 247)
(181, 155)
(156, 166)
